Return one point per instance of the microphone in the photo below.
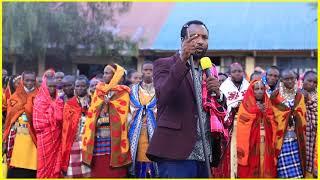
(206, 65)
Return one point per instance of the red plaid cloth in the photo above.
(311, 130)
(10, 144)
(76, 168)
(47, 121)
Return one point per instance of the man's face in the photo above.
(81, 88)
(93, 85)
(107, 74)
(310, 82)
(29, 81)
(52, 85)
(59, 76)
(272, 77)
(136, 78)
(258, 90)
(147, 71)
(201, 42)
(289, 79)
(236, 73)
(68, 87)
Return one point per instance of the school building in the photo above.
(253, 34)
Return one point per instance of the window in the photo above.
(298, 64)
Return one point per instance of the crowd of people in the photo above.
(145, 124)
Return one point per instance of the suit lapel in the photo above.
(190, 82)
(188, 75)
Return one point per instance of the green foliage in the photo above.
(34, 29)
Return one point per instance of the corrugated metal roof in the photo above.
(243, 26)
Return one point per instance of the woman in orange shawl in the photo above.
(47, 113)
(290, 114)
(255, 134)
(105, 140)
(19, 135)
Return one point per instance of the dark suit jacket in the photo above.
(175, 135)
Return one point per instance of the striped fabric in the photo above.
(76, 168)
(311, 130)
(102, 144)
(289, 165)
(47, 122)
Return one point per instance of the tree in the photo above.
(31, 29)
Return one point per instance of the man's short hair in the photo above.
(232, 64)
(272, 67)
(184, 28)
(255, 73)
(82, 78)
(146, 62)
(59, 72)
(223, 74)
(283, 71)
(69, 78)
(308, 72)
(28, 72)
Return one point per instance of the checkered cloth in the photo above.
(76, 168)
(311, 131)
(10, 144)
(102, 144)
(289, 165)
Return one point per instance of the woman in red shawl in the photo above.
(74, 116)
(47, 114)
(255, 134)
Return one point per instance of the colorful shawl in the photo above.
(218, 131)
(20, 102)
(71, 116)
(311, 129)
(282, 115)
(118, 112)
(248, 137)
(233, 94)
(135, 122)
(210, 105)
(47, 121)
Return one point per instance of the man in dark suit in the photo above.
(176, 143)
